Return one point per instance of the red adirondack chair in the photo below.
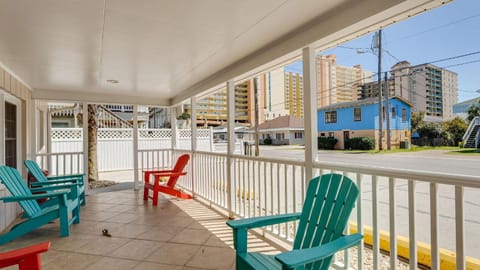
(27, 258)
(169, 188)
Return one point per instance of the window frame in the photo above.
(404, 115)
(331, 117)
(359, 119)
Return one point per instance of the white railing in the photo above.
(392, 202)
(61, 163)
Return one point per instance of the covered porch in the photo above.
(239, 186)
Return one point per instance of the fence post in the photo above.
(211, 139)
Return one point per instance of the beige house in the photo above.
(282, 130)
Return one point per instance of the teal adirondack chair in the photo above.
(43, 180)
(34, 215)
(327, 207)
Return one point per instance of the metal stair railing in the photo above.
(471, 127)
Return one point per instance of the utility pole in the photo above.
(378, 44)
(387, 110)
(255, 92)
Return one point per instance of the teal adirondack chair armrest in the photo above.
(60, 194)
(67, 177)
(299, 257)
(67, 187)
(249, 223)
(241, 226)
(56, 182)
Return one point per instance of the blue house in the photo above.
(360, 119)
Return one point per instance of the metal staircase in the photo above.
(471, 139)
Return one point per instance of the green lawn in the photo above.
(414, 148)
(467, 151)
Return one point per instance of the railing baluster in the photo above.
(411, 225)
(376, 246)
(435, 264)
(285, 176)
(459, 231)
(359, 222)
(294, 197)
(248, 194)
(278, 195)
(265, 201)
(393, 231)
(244, 191)
(256, 204)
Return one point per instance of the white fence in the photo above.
(115, 146)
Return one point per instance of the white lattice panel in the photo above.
(67, 133)
(115, 133)
(184, 133)
(155, 133)
(203, 133)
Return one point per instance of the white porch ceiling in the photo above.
(164, 51)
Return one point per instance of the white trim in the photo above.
(4, 98)
(98, 97)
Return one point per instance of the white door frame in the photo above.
(4, 98)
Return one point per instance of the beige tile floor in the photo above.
(177, 234)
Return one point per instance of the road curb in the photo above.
(447, 257)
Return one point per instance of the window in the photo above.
(357, 114)
(404, 115)
(298, 135)
(394, 112)
(331, 117)
(322, 134)
(279, 136)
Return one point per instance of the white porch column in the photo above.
(135, 147)
(49, 140)
(173, 126)
(85, 141)
(231, 145)
(310, 109)
(32, 135)
(193, 117)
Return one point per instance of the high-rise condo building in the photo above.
(336, 83)
(429, 88)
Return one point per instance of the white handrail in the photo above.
(475, 121)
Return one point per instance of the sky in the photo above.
(450, 30)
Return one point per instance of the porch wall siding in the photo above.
(11, 85)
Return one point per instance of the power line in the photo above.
(437, 27)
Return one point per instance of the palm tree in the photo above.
(92, 142)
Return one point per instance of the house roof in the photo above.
(159, 52)
(283, 122)
(357, 103)
(468, 102)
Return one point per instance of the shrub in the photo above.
(360, 143)
(326, 143)
(267, 141)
